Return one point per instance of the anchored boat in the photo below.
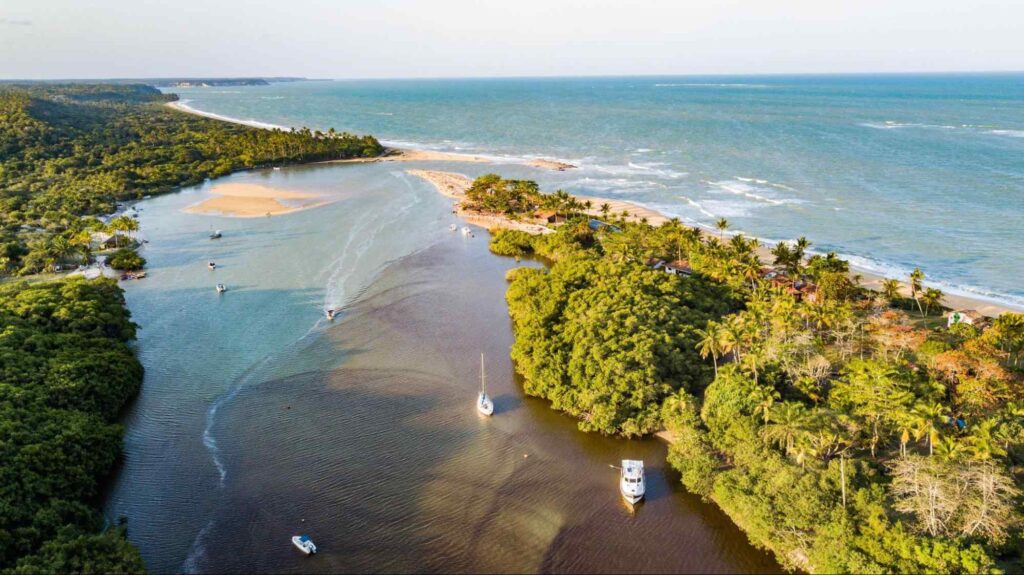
(221, 288)
(466, 231)
(483, 403)
(304, 543)
(215, 235)
(330, 314)
(211, 265)
(631, 480)
(453, 228)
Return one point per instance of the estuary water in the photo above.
(891, 171)
(258, 419)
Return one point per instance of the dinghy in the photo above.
(211, 265)
(483, 403)
(215, 235)
(304, 543)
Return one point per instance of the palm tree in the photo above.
(765, 396)
(931, 297)
(915, 286)
(983, 443)
(891, 289)
(786, 423)
(83, 242)
(710, 343)
(605, 208)
(927, 419)
(722, 224)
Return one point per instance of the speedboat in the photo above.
(631, 480)
(466, 231)
(483, 403)
(305, 544)
(221, 288)
(453, 228)
(211, 265)
(330, 314)
(215, 235)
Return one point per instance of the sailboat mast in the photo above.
(483, 376)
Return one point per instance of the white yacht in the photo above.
(304, 543)
(631, 480)
(211, 265)
(484, 404)
(453, 228)
(221, 288)
(466, 231)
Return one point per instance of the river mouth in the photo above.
(362, 432)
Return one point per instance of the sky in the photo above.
(460, 38)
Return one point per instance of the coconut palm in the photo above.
(722, 224)
(710, 343)
(605, 209)
(931, 297)
(927, 420)
(891, 289)
(765, 396)
(983, 442)
(786, 424)
(916, 277)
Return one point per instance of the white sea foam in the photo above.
(183, 104)
(698, 206)
(711, 85)
(1009, 133)
(893, 125)
(746, 190)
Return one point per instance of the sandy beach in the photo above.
(240, 200)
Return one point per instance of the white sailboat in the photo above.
(483, 403)
(631, 480)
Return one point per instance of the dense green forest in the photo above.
(72, 151)
(66, 370)
(846, 432)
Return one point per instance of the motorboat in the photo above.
(215, 235)
(453, 228)
(211, 265)
(221, 288)
(305, 544)
(631, 480)
(330, 314)
(484, 404)
(466, 231)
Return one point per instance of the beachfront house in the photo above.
(102, 240)
(678, 268)
(548, 217)
(965, 316)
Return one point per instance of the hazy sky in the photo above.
(405, 38)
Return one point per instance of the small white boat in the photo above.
(631, 480)
(466, 231)
(215, 235)
(211, 265)
(277, 168)
(453, 228)
(483, 403)
(221, 288)
(330, 314)
(305, 544)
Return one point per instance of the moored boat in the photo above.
(304, 543)
(466, 231)
(484, 404)
(221, 288)
(211, 265)
(215, 235)
(631, 480)
(330, 314)
(453, 228)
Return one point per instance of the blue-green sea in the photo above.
(892, 171)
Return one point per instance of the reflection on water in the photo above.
(363, 432)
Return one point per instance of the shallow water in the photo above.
(893, 171)
(258, 419)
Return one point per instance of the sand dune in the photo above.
(241, 200)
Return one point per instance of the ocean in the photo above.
(890, 171)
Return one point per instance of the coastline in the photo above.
(869, 279)
(454, 185)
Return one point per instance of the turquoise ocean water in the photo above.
(891, 171)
